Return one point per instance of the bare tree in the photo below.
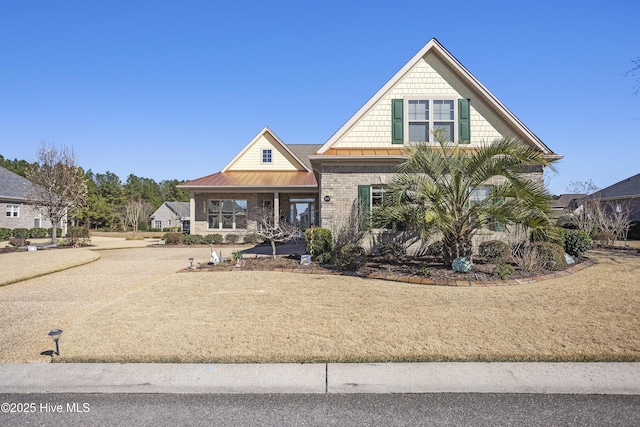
(59, 185)
(135, 210)
(267, 228)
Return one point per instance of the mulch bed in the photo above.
(379, 267)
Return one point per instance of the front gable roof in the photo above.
(250, 156)
(456, 68)
(291, 169)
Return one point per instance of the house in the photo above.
(171, 214)
(622, 195)
(565, 203)
(320, 184)
(15, 212)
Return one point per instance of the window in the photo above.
(169, 222)
(13, 211)
(428, 116)
(266, 156)
(371, 197)
(157, 224)
(227, 214)
(416, 120)
(479, 195)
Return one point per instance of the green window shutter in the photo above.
(464, 121)
(397, 121)
(364, 203)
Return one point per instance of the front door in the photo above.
(302, 212)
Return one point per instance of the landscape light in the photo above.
(55, 336)
(191, 263)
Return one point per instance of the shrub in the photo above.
(436, 248)
(349, 257)
(5, 234)
(78, 235)
(21, 233)
(38, 233)
(173, 238)
(495, 251)
(236, 255)
(173, 229)
(550, 255)
(191, 239)
(212, 239)
(503, 271)
(604, 238)
(393, 251)
(18, 241)
(527, 259)
(576, 242)
(425, 270)
(231, 238)
(318, 243)
(253, 239)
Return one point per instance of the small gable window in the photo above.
(267, 156)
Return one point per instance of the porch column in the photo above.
(276, 209)
(192, 212)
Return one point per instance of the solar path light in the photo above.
(55, 336)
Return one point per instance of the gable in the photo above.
(433, 74)
(251, 157)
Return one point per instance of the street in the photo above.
(446, 409)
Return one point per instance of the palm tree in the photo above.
(457, 190)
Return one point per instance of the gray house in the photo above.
(15, 212)
(172, 214)
(624, 194)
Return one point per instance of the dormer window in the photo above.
(267, 156)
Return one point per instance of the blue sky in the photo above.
(173, 90)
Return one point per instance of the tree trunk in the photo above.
(273, 248)
(454, 247)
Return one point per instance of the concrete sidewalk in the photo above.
(539, 378)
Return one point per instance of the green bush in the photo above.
(38, 233)
(503, 271)
(318, 243)
(550, 255)
(231, 238)
(393, 252)
(192, 239)
(21, 233)
(173, 229)
(5, 234)
(436, 248)
(576, 242)
(253, 239)
(349, 257)
(495, 251)
(212, 239)
(78, 235)
(173, 238)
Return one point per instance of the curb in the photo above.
(331, 378)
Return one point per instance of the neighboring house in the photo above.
(565, 203)
(15, 212)
(171, 214)
(622, 195)
(320, 184)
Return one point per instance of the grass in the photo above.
(591, 315)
